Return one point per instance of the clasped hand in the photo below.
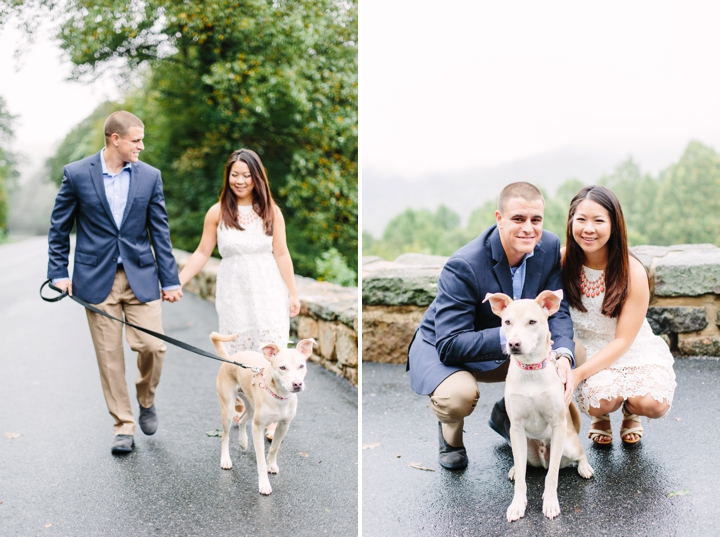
(172, 296)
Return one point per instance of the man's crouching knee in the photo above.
(456, 397)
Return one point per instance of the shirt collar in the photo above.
(525, 258)
(104, 166)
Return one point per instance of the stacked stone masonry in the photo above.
(328, 314)
(684, 305)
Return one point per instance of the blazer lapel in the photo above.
(533, 270)
(501, 267)
(132, 191)
(96, 176)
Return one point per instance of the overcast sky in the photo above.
(469, 83)
(38, 92)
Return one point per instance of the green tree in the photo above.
(372, 246)
(8, 163)
(636, 192)
(407, 232)
(687, 205)
(421, 231)
(278, 77)
(85, 139)
(481, 218)
(556, 207)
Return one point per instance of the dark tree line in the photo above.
(8, 164)
(679, 206)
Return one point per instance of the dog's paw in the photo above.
(511, 474)
(551, 505)
(225, 463)
(516, 510)
(584, 469)
(273, 468)
(265, 488)
(243, 441)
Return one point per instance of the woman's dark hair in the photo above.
(617, 271)
(263, 203)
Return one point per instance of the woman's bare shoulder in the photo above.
(214, 213)
(637, 268)
(639, 281)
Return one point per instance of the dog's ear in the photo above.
(550, 300)
(270, 351)
(498, 302)
(306, 347)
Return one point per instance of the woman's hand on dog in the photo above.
(566, 376)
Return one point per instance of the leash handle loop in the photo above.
(54, 299)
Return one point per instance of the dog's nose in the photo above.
(297, 386)
(514, 346)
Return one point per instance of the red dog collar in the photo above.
(536, 365)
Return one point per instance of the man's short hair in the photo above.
(522, 190)
(119, 123)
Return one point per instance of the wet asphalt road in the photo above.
(633, 493)
(58, 476)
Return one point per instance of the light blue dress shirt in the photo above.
(116, 190)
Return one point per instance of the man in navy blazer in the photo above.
(117, 206)
(458, 342)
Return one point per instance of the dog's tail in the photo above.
(217, 340)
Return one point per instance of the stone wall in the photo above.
(684, 305)
(328, 313)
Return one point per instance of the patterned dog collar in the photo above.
(276, 396)
(536, 365)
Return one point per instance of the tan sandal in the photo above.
(625, 431)
(594, 434)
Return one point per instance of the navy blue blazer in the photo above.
(82, 202)
(459, 331)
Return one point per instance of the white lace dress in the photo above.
(251, 297)
(646, 367)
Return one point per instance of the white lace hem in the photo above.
(253, 340)
(625, 382)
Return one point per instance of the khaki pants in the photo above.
(107, 339)
(456, 397)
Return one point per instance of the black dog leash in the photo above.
(165, 338)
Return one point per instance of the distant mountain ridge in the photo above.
(386, 195)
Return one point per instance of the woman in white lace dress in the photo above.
(255, 294)
(607, 288)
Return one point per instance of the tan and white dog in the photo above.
(269, 397)
(543, 430)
